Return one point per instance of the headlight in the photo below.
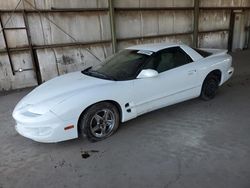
(31, 114)
(38, 109)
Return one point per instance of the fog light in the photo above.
(44, 131)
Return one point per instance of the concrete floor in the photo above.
(192, 144)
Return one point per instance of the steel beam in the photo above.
(71, 44)
(231, 31)
(196, 23)
(214, 31)
(154, 36)
(32, 51)
(57, 10)
(248, 42)
(112, 26)
(153, 8)
(224, 8)
(119, 9)
(26, 48)
(7, 46)
(14, 28)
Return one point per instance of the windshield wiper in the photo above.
(102, 75)
(97, 74)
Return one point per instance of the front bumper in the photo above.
(46, 128)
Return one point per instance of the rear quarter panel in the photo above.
(209, 64)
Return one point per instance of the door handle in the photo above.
(191, 72)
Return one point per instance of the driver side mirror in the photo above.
(148, 73)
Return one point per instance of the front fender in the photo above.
(72, 107)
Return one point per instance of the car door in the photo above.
(176, 81)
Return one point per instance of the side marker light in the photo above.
(68, 127)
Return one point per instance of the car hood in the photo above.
(56, 90)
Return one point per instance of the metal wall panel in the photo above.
(213, 40)
(147, 23)
(22, 60)
(84, 27)
(15, 21)
(128, 24)
(187, 39)
(16, 38)
(79, 3)
(44, 4)
(21, 79)
(245, 3)
(153, 3)
(214, 20)
(10, 5)
(136, 26)
(58, 61)
(183, 21)
(49, 4)
(225, 3)
(2, 44)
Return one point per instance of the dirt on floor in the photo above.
(188, 145)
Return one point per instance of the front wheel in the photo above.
(99, 121)
(209, 87)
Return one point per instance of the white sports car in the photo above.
(132, 82)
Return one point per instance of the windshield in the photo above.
(121, 66)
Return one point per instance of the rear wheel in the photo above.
(99, 121)
(210, 87)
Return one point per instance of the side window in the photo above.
(153, 62)
(169, 59)
(180, 57)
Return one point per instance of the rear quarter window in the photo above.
(202, 52)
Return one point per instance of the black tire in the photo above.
(95, 125)
(210, 87)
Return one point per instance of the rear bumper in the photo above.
(228, 74)
(230, 71)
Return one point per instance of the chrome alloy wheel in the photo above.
(102, 123)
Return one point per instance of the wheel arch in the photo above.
(217, 73)
(116, 104)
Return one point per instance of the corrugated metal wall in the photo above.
(88, 21)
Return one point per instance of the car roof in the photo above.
(153, 47)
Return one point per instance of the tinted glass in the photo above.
(202, 52)
(122, 66)
(168, 59)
